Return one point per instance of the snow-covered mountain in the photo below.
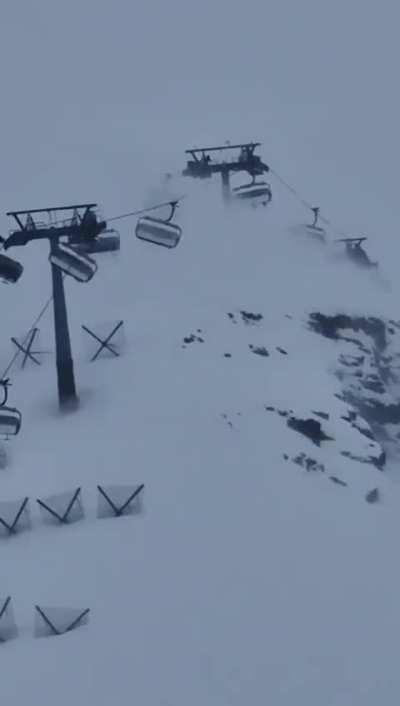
(256, 394)
(257, 565)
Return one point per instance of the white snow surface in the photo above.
(246, 579)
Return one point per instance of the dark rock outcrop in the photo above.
(372, 496)
(310, 428)
(259, 350)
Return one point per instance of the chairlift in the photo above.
(10, 421)
(257, 192)
(315, 229)
(100, 244)
(10, 270)
(76, 264)
(356, 253)
(10, 418)
(159, 231)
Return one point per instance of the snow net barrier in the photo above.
(8, 628)
(51, 621)
(106, 340)
(14, 517)
(118, 500)
(62, 508)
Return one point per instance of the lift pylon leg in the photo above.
(67, 396)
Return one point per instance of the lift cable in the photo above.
(34, 324)
(50, 299)
(139, 212)
(305, 203)
(146, 210)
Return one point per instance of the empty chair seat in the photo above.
(101, 244)
(10, 421)
(76, 264)
(10, 270)
(256, 192)
(159, 232)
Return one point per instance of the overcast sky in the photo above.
(98, 97)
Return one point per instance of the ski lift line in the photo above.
(305, 203)
(35, 323)
(138, 212)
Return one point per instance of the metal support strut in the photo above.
(67, 395)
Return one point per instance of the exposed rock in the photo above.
(372, 382)
(323, 415)
(367, 378)
(193, 339)
(281, 350)
(372, 496)
(250, 318)
(227, 420)
(377, 461)
(351, 361)
(259, 350)
(362, 428)
(227, 355)
(337, 480)
(310, 428)
(310, 464)
(330, 327)
(375, 411)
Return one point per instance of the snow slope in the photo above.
(247, 578)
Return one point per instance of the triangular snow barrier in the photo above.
(62, 508)
(14, 516)
(57, 621)
(117, 500)
(8, 628)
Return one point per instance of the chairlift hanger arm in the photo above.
(253, 166)
(4, 384)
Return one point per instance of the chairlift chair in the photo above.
(10, 270)
(10, 421)
(258, 192)
(10, 418)
(76, 264)
(89, 236)
(356, 252)
(159, 231)
(100, 244)
(315, 229)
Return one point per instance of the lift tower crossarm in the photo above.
(31, 231)
(203, 166)
(51, 209)
(251, 145)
